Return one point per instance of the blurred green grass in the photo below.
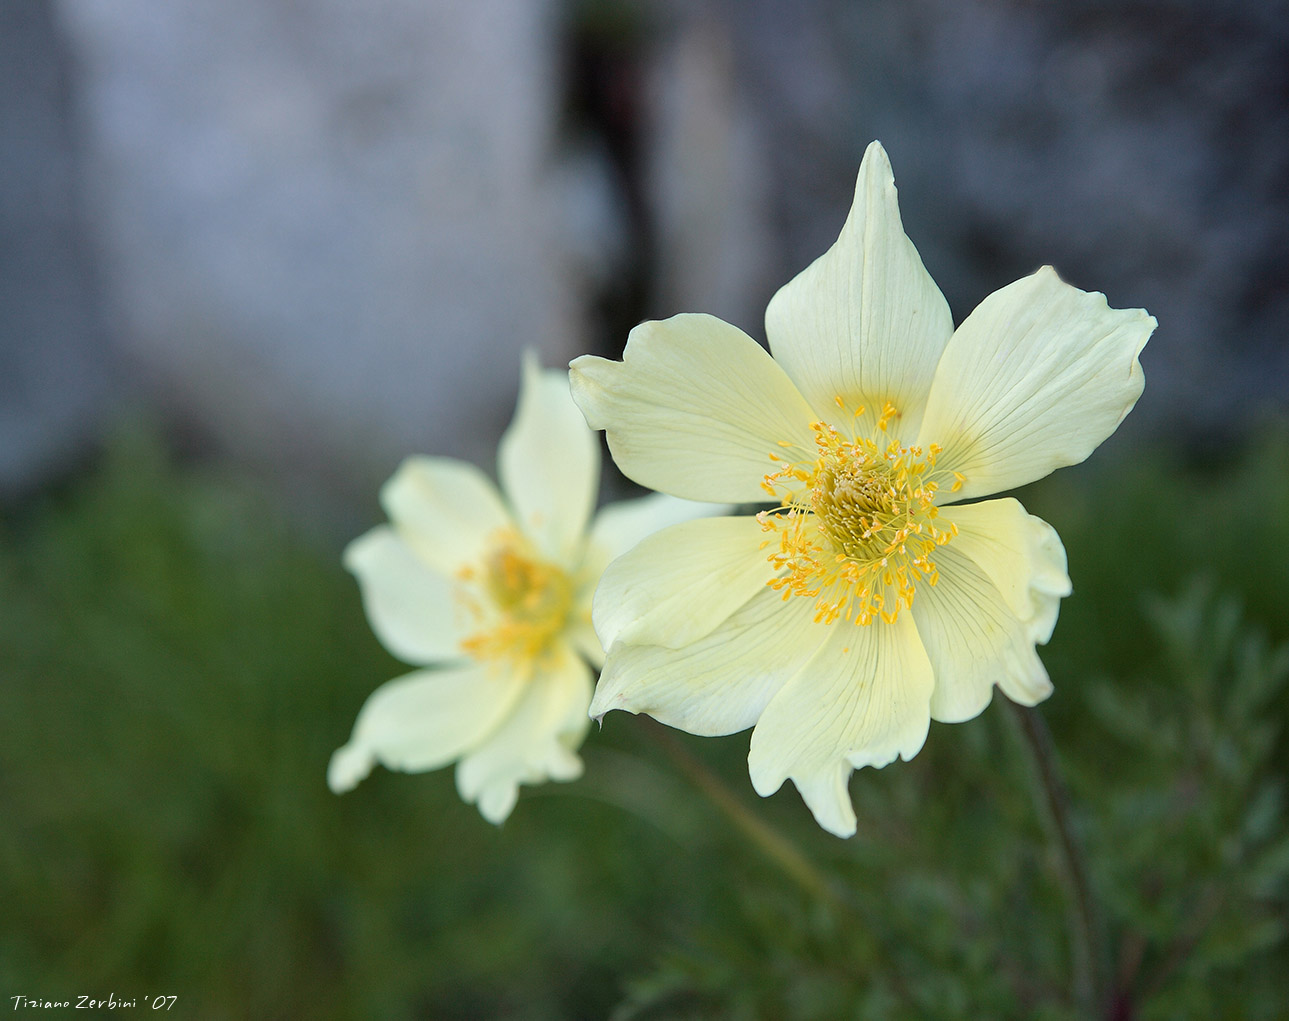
(180, 661)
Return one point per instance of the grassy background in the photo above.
(180, 660)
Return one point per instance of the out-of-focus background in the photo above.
(254, 252)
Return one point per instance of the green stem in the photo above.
(1209, 904)
(773, 844)
(1081, 906)
(782, 851)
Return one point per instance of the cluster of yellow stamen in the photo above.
(523, 601)
(856, 523)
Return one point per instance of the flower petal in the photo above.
(861, 700)
(973, 640)
(864, 321)
(537, 742)
(549, 463)
(1020, 553)
(721, 683)
(1034, 379)
(579, 632)
(448, 511)
(410, 606)
(617, 528)
(676, 585)
(694, 409)
(424, 720)
(621, 525)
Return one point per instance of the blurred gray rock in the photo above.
(708, 185)
(329, 228)
(54, 364)
(325, 230)
(1140, 146)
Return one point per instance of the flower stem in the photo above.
(783, 852)
(773, 844)
(1081, 907)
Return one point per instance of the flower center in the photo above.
(855, 523)
(523, 601)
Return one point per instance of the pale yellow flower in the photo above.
(869, 601)
(493, 595)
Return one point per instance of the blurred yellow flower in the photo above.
(493, 595)
(868, 601)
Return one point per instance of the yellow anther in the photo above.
(855, 525)
(521, 601)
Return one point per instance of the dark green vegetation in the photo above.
(178, 665)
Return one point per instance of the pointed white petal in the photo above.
(497, 802)
(617, 528)
(348, 767)
(410, 606)
(549, 463)
(537, 742)
(864, 321)
(862, 700)
(694, 409)
(721, 683)
(621, 525)
(676, 585)
(974, 640)
(1020, 553)
(826, 792)
(448, 511)
(424, 720)
(580, 634)
(1034, 379)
